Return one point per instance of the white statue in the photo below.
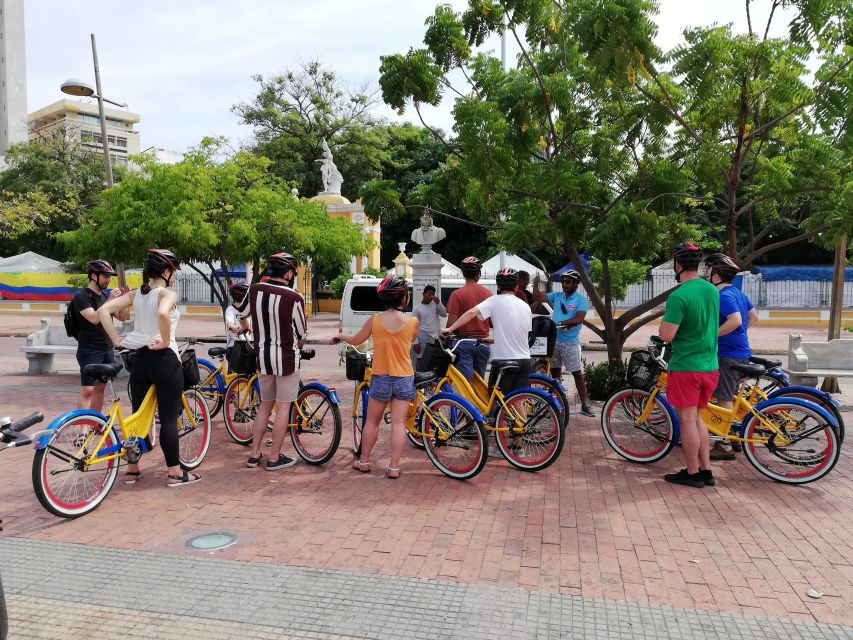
(332, 178)
(427, 235)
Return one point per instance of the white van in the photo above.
(360, 301)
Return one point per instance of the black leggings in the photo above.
(163, 369)
(511, 381)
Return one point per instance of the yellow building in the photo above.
(339, 207)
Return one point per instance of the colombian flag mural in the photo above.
(47, 286)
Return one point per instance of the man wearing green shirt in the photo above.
(690, 323)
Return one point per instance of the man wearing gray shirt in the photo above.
(427, 311)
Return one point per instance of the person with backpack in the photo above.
(83, 323)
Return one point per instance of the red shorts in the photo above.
(691, 388)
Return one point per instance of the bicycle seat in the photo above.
(307, 354)
(767, 364)
(103, 372)
(215, 352)
(507, 366)
(422, 377)
(749, 370)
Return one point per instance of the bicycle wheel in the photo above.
(819, 398)
(456, 441)
(552, 388)
(359, 417)
(539, 441)
(212, 386)
(241, 404)
(315, 426)
(429, 390)
(768, 382)
(194, 439)
(804, 450)
(647, 442)
(540, 366)
(64, 483)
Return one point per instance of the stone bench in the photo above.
(808, 361)
(49, 341)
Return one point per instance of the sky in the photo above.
(183, 64)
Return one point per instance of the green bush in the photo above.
(339, 283)
(604, 378)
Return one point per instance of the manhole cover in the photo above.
(212, 541)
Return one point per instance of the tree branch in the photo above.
(599, 332)
(635, 312)
(434, 133)
(632, 328)
(669, 106)
(770, 19)
(784, 243)
(749, 19)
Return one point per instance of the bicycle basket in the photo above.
(242, 358)
(643, 370)
(435, 358)
(189, 364)
(356, 364)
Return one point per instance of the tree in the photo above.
(215, 212)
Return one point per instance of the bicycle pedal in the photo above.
(268, 442)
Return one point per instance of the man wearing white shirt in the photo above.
(427, 311)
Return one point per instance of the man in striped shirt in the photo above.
(278, 326)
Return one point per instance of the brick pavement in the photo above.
(590, 526)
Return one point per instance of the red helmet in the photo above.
(282, 262)
(688, 255)
(722, 265)
(100, 266)
(160, 259)
(391, 287)
(507, 278)
(471, 266)
(238, 290)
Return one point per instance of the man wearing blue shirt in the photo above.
(736, 314)
(569, 310)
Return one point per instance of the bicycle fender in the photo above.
(534, 390)
(57, 422)
(795, 401)
(465, 403)
(213, 367)
(330, 391)
(779, 375)
(542, 376)
(673, 415)
(811, 390)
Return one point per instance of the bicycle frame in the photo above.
(253, 382)
(210, 385)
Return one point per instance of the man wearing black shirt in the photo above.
(93, 344)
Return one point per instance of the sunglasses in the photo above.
(563, 308)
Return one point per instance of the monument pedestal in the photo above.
(426, 269)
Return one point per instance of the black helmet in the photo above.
(722, 265)
(282, 262)
(471, 267)
(238, 290)
(100, 267)
(688, 255)
(391, 287)
(158, 260)
(506, 278)
(571, 274)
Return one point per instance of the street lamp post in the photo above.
(79, 88)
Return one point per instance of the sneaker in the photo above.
(517, 449)
(254, 462)
(707, 477)
(736, 446)
(720, 452)
(586, 411)
(282, 463)
(689, 479)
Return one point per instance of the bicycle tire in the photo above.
(321, 449)
(552, 388)
(541, 445)
(212, 386)
(817, 397)
(540, 366)
(63, 443)
(428, 390)
(194, 441)
(822, 448)
(441, 446)
(4, 614)
(359, 417)
(768, 382)
(646, 443)
(238, 421)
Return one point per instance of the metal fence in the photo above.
(192, 288)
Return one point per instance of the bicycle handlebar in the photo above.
(10, 433)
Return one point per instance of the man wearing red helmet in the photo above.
(93, 344)
(278, 326)
(690, 324)
(470, 357)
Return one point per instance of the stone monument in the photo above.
(426, 263)
(332, 178)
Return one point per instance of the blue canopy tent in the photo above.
(809, 273)
(236, 271)
(556, 276)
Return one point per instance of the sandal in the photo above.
(358, 465)
(391, 473)
(132, 477)
(186, 478)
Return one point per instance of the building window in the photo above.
(85, 117)
(121, 142)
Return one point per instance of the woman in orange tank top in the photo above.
(393, 379)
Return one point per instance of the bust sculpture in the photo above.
(427, 235)
(332, 178)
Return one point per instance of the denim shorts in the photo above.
(386, 388)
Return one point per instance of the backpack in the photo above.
(72, 318)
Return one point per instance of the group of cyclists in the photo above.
(705, 320)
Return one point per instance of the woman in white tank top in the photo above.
(157, 361)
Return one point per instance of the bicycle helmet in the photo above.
(100, 267)
(238, 290)
(158, 260)
(571, 274)
(722, 265)
(391, 287)
(471, 267)
(688, 255)
(282, 263)
(507, 279)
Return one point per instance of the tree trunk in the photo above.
(830, 384)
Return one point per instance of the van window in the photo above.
(445, 293)
(365, 298)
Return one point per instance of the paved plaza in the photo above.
(593, 547)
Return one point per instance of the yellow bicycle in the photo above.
(78, 455)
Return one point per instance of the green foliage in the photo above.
(338, 283)
(620, 274)
(604, 378)
(78, 280)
